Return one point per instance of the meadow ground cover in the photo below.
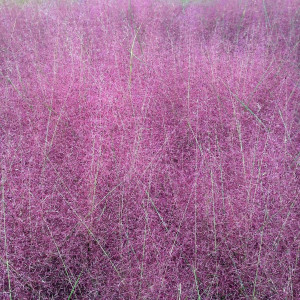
(149, 150)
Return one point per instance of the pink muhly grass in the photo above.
(149, 150)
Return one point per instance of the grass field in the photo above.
(149, 149)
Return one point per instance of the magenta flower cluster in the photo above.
(150, 150)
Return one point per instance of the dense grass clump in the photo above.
(149, 150)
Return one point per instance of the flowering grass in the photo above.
(149, 150)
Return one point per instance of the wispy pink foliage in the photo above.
(150, 150)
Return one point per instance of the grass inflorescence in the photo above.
(149, 149)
